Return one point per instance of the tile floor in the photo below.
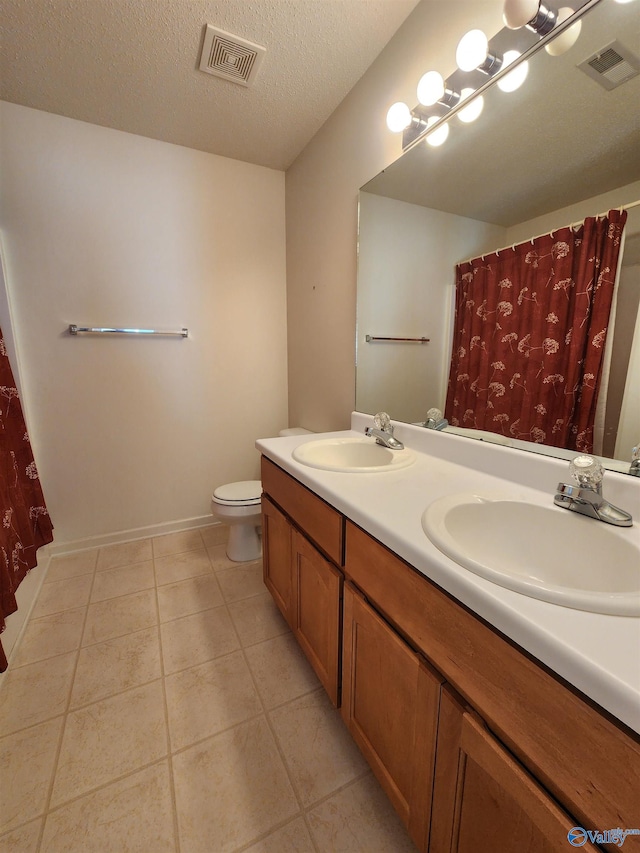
(158, 702)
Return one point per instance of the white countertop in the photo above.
(598, 654)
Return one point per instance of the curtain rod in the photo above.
(550, 233)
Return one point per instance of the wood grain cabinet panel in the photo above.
(390, 705)
(317, 595)
(319, 521)
(483, 799)
(276, 557)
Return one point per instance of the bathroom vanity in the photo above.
(485, 715)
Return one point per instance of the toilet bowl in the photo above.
(238, 505)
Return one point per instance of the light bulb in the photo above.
(512, 81)
(470, 113)
(472, 50)
(398, 117)
(430, 88)
(438, 136)
(624, 1)
(517, 13)
(568, 38)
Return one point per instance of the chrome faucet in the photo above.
(634, 469)
(383, 432)
(435, 420)
(586, 498)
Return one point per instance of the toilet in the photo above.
(239, 506)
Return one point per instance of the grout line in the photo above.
(63, 728)
(172, 787)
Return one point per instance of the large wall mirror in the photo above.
(559, 149)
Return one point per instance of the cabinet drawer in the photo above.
(585, 759)
(320, 522)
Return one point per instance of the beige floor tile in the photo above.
(71, 565)
(36, 692)
(241, 581)
(176, 543)
(218, 557)
(56, 596)
(22, 840)
(231, 789)
(359, 819)
(178, 567)
(116, 665)
(292, 838)
(257, 619)
(114, 582)
(109, 739)
(50, 636)
(281, 670)
(27, 759)
(189, 596)
(215, 534)
(124, 554)
(209, 698)
(118, 616)
(198, 638)
(319, 752)
(134, 814)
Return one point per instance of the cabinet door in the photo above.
(276, 557)
(317, 598)
(483, 798)
(390, 705)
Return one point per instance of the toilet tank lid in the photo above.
(295, 431)
(243, 491)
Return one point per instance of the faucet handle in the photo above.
(383, 422)
(635, 453)
(434, 415)
(587, 472)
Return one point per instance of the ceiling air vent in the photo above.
(612, 65)
(230, 57)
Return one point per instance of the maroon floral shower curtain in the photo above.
(26, 525)
(529, 335)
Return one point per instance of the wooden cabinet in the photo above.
(390, 705)
(483, 800)
(569, 746)
(276, 557)
(304, 583)
(478, 746)
(316, 622)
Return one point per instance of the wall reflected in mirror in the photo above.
(558, 150)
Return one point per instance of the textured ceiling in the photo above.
(133, 65)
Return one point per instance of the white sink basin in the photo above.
(544, 552)
(352, 455)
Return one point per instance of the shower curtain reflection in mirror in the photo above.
(530, 333)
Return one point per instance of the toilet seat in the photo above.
(244, 493)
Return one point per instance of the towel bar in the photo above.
(75, 330)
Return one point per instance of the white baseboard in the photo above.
(120, 536)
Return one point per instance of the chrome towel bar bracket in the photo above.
(100, 330)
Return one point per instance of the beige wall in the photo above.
(104, 228)
(321, 206)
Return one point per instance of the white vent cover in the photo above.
(230, 57)
(612, 65)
